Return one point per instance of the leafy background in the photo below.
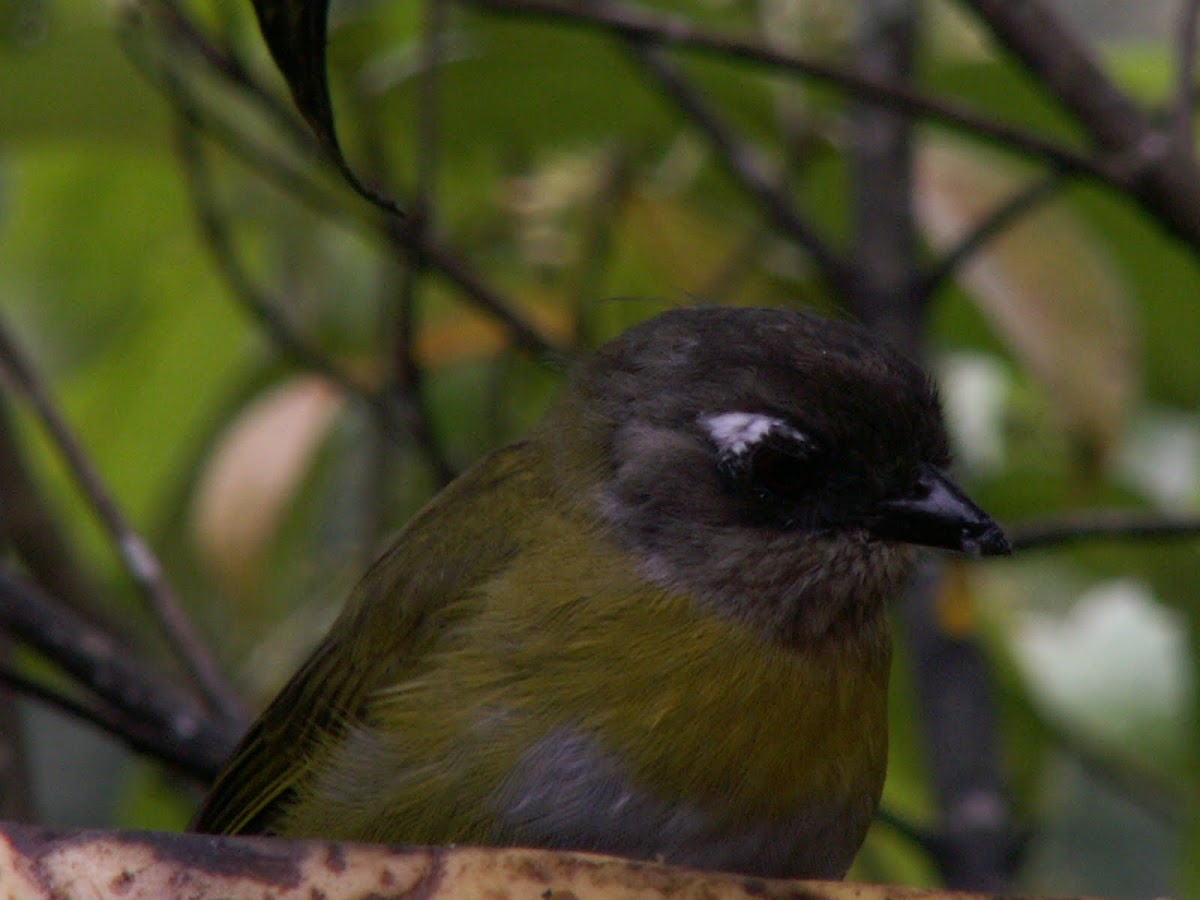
(1066, 350)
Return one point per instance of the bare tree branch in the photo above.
(1098, 524)
(147, 703)
(993, 224)
(1183, 125)
(660, 29)
(744, 164)
(138, 559)
(975, 839)
(141, 736)
(30, 525)
(161, 69)
(182, 34)
(880, 156)
(1159, 173)
(262, 309)
(408, 377)
(394, 231)
(455, 269)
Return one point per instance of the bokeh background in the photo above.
(270, 375)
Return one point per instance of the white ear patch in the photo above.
(736, 432)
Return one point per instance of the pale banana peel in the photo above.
(48, 863)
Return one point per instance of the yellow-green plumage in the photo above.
(633, 632)
(775, 727)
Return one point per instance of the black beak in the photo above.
(938, 514)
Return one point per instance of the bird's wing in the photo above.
(276, 750)
(396, 613)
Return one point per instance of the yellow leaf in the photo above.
(462, 334)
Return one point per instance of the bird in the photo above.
(655, 627)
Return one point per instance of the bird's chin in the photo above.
(856, 563)
(797, 587)
(854, 576)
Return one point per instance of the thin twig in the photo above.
(921, 837)
(663, 29)
(163, 75)
(265, 310)
(408, 377)
(110, 671)
(238, 75)
(994, 223)
(395, 232)
(1183, 126)
(586, 281)
(1136, 783)
(403, 377)
(182, 33)
(1088, 525)
(136, 555)
(743, 163)
(261, 308)
(30, 525)
(455, 269)
(1066, 68)
(16, 789)
(139, 735)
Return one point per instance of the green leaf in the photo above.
(295, 32)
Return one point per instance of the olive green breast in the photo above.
(505, 615)
(694, 704)
(691, 707)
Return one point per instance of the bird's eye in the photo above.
(782, 472)
(764, 454)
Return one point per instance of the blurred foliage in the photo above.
(566, 180)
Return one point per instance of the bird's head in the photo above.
(777, 465)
